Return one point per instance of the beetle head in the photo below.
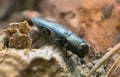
(82, 50)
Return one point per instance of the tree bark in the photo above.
(42, 60)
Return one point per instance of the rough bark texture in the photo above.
(43, 62)
(18, 59)
(44, 59)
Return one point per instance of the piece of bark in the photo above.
(45, 58)
(40, 61)
(17, 36)
(44, 62)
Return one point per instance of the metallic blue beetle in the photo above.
(73, 42)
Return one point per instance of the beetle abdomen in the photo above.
(56, 28)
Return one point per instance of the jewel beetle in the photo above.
(71, 41)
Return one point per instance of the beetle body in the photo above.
(74, 43)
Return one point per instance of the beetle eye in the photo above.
(83, 46)
(83, 49)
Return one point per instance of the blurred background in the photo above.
(97, 21)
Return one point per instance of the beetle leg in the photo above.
(66, 51)
(78, 61)
(66, 54)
